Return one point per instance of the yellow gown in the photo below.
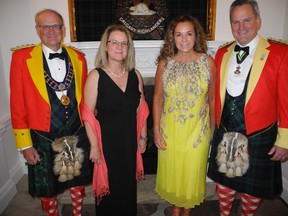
(184, 124)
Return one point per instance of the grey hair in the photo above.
(48, 10)
(252, 3)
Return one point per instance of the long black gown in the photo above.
(117, 117)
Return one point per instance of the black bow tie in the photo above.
(57, 55)
(241, 56)
(238, 48)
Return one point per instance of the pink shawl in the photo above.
(100, 184)
(142, 115)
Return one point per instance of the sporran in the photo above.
(232, 154)
(68, 161)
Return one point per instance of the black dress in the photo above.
(117, 117)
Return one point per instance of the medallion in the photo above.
(65, 100)
(61, 87)
(56, 86)
(237, 71)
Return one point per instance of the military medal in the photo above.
(243, 52)
(237, 71)
(65, 100)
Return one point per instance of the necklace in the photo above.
(56, 86)
(117, 75)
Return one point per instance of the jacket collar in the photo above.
(35, 66)
(259, 61)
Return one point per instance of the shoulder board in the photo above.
(22, 47)
(279, 41)
(72, 47)
(226, 44)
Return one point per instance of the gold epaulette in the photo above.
(279, 41)
(226, 44)
(77, 49)
(22, 47)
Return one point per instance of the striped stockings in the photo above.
(77, 195)
(50, 206)
(249, 204)
(226, 197)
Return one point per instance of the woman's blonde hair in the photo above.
(101, 60)
(169, 48)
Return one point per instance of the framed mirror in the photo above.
(146, 19)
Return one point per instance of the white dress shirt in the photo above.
(57, 67)
(236, 82)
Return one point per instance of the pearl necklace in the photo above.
(117, 75)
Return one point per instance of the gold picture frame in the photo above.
(210, 20)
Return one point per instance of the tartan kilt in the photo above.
(41, 179)
(263, 178)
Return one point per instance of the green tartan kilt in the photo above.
(263, 178)
(41, 179)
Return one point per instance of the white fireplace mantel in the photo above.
(146, 53)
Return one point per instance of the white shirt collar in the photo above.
(252, 44)
(47, 50)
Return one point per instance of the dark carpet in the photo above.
(89, 209)
(275, 207)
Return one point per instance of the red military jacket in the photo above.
(266, 98)
(29, 102)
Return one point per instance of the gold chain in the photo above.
(60, 87)
(260, 132)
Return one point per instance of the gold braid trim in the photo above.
(22, 47)
(279, 41)
(226, 44)
(77, 49)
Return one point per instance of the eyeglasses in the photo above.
(46, 28)
(115, 43)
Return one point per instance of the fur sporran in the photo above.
(232, 154)
(67, 162)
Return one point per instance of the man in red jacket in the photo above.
(251, 113)
(47, 83)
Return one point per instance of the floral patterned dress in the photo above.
(185, 125)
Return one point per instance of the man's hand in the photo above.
(31, 156)
(279, 153)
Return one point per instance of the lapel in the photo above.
(35, 67)
(224, 72)
(77, 70)
(259, 61)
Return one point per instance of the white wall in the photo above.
(273, 14)
(4, 110)
(17, 25)
(17, 28)
(285, 26)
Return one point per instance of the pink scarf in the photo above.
(100, 184)
(142, 115)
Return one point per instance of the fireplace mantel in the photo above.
(146, 53)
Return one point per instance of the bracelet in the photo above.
(143, 138)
